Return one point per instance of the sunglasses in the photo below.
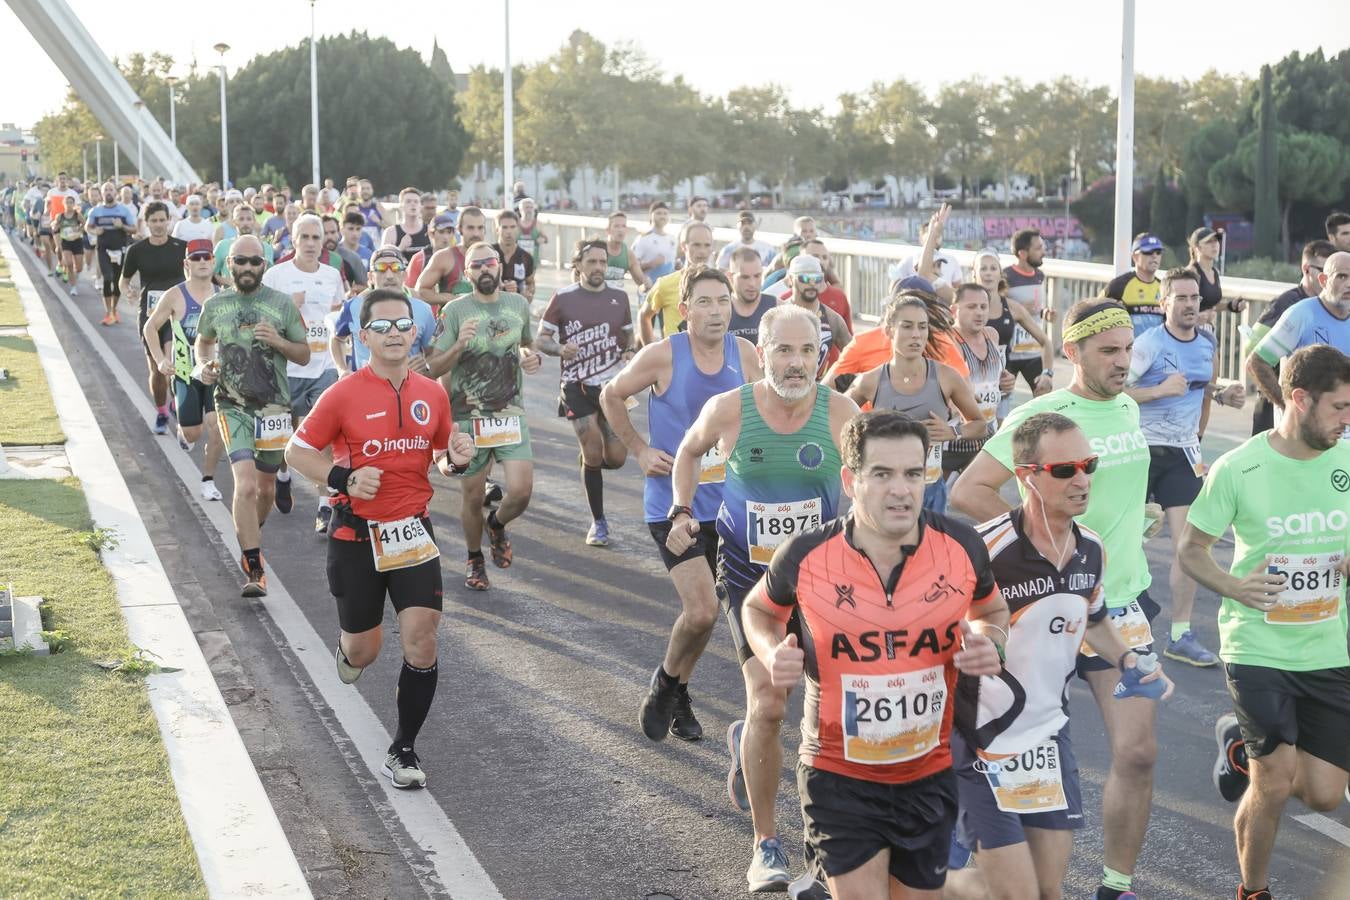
(382, 326)
(811, 278)
(199, 257)
(1150, 253)
(390, 266)
(247, 260)
(1064, 469)
(490, 263)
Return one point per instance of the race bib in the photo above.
(630, 403)
(1031, 782)
(1312, 590)
(892, 718)
(152, 298)
(272, 431)
(520, 274)
(71, 232)
(114, 256)
(932, 467)
(1193, 457)
(317, 335)
(712, 468)
(496, 432)
(401, 544)
(769, 524)
(988, 396)
(1133, 626)
(1023, 342)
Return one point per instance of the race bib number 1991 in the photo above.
(271, 432)
(892, 718)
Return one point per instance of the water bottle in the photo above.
(1129, 684)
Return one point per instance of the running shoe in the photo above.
(500, 546)
(322, 518)
(74, 291)
(107, 319)
(492, 494)
(1189, 650)
(1263, 894)
(683, 724)
(161, 423)
(768, 867)
(1230, 768)
(598, 536)
(183, 442)
(808, 888)
(658, 708)
(736, 790)
(283, 500)
(117, 317)
(958, 854)
(475, 575)
(404, 769)
(1111, 894)
(210, 491)
(256, 586)
(347, 672)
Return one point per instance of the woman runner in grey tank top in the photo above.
(923, 389)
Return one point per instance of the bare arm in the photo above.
(1022, 316)
(864, 387)
(158, 317)
(720, 421)
(976, 492)
(1173, 385)
(959, 391)
(313, 464)
(765, 623)
(647, 324)
(1267, 382)
(648, 369)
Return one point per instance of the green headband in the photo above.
(1095, 323)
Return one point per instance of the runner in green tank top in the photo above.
(620, 260)
(780, 439)
(1098, 339)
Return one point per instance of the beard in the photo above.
(486, 283)
(1315, 438)
(595, 279)
(246, 281)
(778, 383)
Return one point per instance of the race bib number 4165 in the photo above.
(401, 544)
(769, 524)
(892, 718)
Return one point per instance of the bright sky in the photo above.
(826, 49)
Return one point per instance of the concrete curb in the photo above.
(239, 843)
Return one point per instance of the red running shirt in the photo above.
(880, 680)
(369, 422)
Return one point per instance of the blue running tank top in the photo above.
(672, 414)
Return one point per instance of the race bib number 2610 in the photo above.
(892, 718)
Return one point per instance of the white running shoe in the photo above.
(210, 491)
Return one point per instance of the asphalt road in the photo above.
(532, 748)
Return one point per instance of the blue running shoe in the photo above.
(598, 536)
(768, 868)
(1189, 650)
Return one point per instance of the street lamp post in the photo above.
(171, 80)
(117, 161)
(508, 116)
(1125, 141)
(84, 162)
(140, 144)
(98, 156)
(313, 98)
(222, 49)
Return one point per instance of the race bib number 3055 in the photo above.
(271, 432)
(401, 544)
(1312, 588)
(1030, 782)
(769, 524)
(496, 432)
(892, 718)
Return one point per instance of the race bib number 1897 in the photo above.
(892, 718)
(769, 524)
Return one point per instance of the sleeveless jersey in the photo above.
(1028, 289)
(777, 485)
(416, 241)
(1005, 326)
(616, 267)
(185, 333)
(669, 415)
(916, 406)
(984, 375)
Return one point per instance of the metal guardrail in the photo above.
(864, 269)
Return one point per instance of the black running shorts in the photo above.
(360, 590)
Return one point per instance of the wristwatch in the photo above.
(677, 510)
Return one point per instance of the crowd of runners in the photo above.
(839, 495)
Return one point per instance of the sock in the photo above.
(254, 557)
(208, 478)
(476, 554)
(283, 475)
(592, 478)
(416, 689)
(1180, 628)
(664, 678)
(493, 521)
(163, 409)
(1116, 881)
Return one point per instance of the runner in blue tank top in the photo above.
(683, 372)
(780, 439)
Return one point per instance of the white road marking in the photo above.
(1329, 827)
(457, 869)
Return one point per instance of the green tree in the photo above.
(1206, 147)
(859, 153)
(960, 123)
(898, 113)
(1266, 174)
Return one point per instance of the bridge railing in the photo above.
(864, 268)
